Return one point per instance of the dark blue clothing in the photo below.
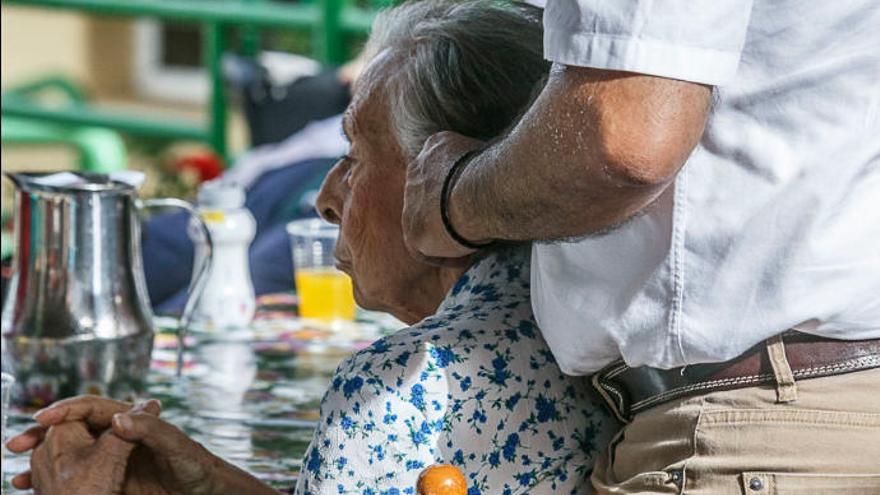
(278, 196)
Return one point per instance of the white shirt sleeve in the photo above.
(692, 40)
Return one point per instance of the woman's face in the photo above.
(363, 193)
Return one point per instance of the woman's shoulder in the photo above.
(498, 352)
(463, 330)
(486, 315)
(483, 394)
(475, 385)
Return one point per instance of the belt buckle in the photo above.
(614, 395)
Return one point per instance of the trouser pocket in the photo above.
(785, 450)
(647, 457)
(769, 483)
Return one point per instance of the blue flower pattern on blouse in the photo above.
(474, 385)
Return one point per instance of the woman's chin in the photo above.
(364, 299)
(373, 302)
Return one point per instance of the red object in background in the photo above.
(206, 165)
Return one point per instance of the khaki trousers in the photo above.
(816, 436)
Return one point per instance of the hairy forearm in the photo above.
(594, 150)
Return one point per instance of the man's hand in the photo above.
(595, 148)
(423, 229)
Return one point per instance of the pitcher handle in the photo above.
(198, 286)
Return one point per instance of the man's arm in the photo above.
(595, 148)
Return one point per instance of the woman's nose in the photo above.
(329, 201)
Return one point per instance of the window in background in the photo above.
(168, 62)
(168, 58)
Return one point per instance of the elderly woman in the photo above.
(470, 383)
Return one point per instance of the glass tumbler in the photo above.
(325, 293)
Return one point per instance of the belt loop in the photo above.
(786, 388)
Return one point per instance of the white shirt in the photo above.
(773, 222)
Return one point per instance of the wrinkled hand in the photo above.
(423, 230)
(88, 414)
(179, 464)
(165, 462)
(176, 462)
(71, 461)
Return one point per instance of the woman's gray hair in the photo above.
(471, 66)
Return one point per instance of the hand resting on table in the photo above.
(93, 445)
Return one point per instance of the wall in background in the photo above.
(94, 51)
(36, 42)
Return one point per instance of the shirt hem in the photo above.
(687, 63)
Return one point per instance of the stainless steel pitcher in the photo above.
(77, 317)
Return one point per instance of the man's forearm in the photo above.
(594, 149)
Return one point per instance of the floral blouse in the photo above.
(473, 385)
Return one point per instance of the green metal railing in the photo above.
(330, 22)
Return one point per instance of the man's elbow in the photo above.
(644, 172)
(646, 127)
(648, 159)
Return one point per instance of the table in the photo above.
(250, 396)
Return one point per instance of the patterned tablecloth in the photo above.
(250, 396)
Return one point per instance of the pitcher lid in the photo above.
(125, 180)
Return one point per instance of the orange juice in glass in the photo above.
(325, 293)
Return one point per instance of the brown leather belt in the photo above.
(629, 391)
